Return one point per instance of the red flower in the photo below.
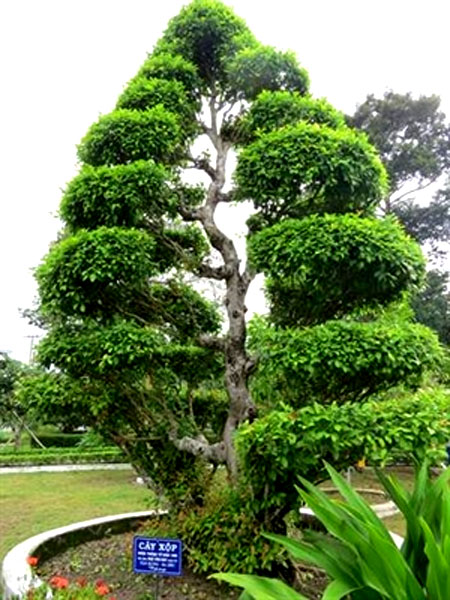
(81, 581)
(101, 588)
(59, 582)
(32, 560)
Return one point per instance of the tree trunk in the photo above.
(236, 361)
(17, 433)
(236, 358)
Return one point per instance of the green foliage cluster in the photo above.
(206, 34)
(172, 67)
(12, 411)
(340, 360)
(288, 443)
(128, 135)
(258, 68)
(210, 537)
(117, 347)
(143, 94)
(272, 110)
(309, 168)
(87, 272)
(181, 311)
(183, 247)
(53, 398)
(10, 371)
(118, 196)
(322, 267)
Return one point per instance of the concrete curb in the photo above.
(17, 576)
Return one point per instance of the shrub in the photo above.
(285, 444)
(58, 440)
(61, 456)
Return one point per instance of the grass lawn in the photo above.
(34, 502)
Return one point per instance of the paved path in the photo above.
(64, 468)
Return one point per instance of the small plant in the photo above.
(60, 587)
(360, 556)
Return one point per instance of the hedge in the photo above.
(61, 456)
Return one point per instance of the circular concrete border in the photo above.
(16, 575)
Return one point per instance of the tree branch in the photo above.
(205, 270)
(189, 214)
(202, 163)
(225, 196)
(199, 446)
(212, 342)
(248, 275)
(250, 365)
(419, 188)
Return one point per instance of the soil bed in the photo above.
(110, 559)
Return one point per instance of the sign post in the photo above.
(157, 556)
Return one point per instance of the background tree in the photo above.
(14, 414)
(413, 139)
(53, 399)
(170, 381)
(432, 305)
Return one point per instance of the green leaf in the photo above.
(337, 590)
(261, 588)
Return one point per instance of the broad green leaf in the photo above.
(261, 588)
(337, 590)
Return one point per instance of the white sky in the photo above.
(63, 62)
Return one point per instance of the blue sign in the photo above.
(157, 556)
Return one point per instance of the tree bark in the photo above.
(17, 433)
(237, 283)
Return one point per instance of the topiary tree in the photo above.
(170, 381)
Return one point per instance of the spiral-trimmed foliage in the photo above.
(206, 33)
(143, 94)
(340, 361)
(259, 68)
(326, 266)
(117, 348)
(120, 353)
(128, 135)
(310, 168)
(91, 271)
(123, 321)
(172, 67)
(272, 110)
(118, 196)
